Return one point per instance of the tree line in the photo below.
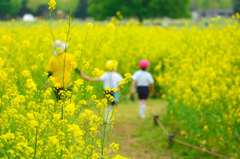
(211, 4)
(101, 9)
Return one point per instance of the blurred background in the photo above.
(28, 10)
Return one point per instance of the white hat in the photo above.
(62, 45)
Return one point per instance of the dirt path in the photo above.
(126, 123)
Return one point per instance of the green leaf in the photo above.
(236, 133)
(73, 121)
(102, 142)
(107, 128)
(51, 121)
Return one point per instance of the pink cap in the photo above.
(144, 63)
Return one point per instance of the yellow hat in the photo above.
(111, 64)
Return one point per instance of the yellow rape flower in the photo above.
(52, 4)
(80, 46)
(205, 128)
(120, 157)
(114, 146)
(26, 73)
(78, 82)
(25, 44)
(90, 25)
(97, 72)
(1, 63)
(93, 97)
(3, 75)
(6, 39)
(83, 102)
(111, 26)
(58, 49)
(86, 64)
(118, 13)
(89, 89)
(30, 116)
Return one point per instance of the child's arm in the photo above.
(90, 79)
(151, 81)
(95, 79)
(133, 90)
(152, 88)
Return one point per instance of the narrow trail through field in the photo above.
(127, 122)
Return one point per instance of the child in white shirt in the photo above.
(110, 79)
(143, 79)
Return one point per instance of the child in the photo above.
(55, 68)
(112, 80)
(143, 79)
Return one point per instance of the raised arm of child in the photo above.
(89, 78)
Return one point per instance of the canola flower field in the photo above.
(34, 123)
(197, 71)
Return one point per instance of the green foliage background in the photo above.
(61, 4)
(100, 9)
(139, 8)
(11, 7)
(236, 6)
(212, 4)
